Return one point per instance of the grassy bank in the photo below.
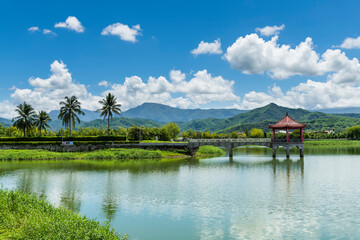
(106, 154)
(25, 216)
(207, 151)
(332, 143)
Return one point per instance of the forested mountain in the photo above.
(122, 122)
(164, 113)
(5, 122)
(256, 118)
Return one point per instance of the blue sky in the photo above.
(155, 46)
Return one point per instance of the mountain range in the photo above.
(214, 120)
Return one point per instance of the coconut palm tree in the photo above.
(41, 121)
(25, 120)
(69, 110)
(109, 106)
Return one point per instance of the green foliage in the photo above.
(42, 121)
(256, 133)
(58, 139)
(25, 119)
(353, 132)
(173, 129)
(25, 216)
(234, 135)
(106, 154)
(69, 110)
(109, 106)
(210, 151)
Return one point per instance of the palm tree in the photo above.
(41, 121)
(109, 106)
(25, 120)
(69, 110)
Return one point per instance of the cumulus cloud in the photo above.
(202, 88)
(253, 55)
(48, 32)
(310, 95)
(104, 83)
(208, 48)
(270, 30)
(71, 23)
(351, 43)
(33, 29)
(47, 93)
(123, 31)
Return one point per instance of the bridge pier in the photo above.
(274, 153)
(287, 153)
(230, 151)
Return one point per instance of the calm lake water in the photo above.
(250, 197)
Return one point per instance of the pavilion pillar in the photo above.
(273, 137)
(287, 152)
(287, 135)
(302, 135)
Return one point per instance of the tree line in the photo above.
(70, 109)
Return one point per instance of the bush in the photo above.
(256, 133)
(353, 132)
(58, 139)
(25, 216)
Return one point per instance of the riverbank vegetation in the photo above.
(332, 143)
(24, 216)
(105, 154)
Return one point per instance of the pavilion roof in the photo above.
(287, 122)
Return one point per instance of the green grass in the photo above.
(24, 216)
(332, 142)
(210, 151)
(106, 154)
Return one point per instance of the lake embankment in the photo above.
(105, 154)
(25, 216)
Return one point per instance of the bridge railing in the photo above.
(232, 140)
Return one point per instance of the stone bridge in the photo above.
(194, 144)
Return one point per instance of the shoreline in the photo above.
(118, 154)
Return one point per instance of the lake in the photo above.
(251, 196)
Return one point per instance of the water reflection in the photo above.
(70, 196)
(110, 200)
(250, 196)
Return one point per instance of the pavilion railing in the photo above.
(232, 140)
(296, 140)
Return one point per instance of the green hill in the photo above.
(5, 122)
(269, 114)
(122, 122)
(164, 113)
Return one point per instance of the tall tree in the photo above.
(109, 106)
(41, 121)
(69, 110)
(25, 119)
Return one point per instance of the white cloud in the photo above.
(71, 23)
(47, 93)
(309, 95)
(208, 48)
(33, 29)
(270, 30)
(123, 31)
(351, 43)
(7, 109)
(253, 55)
(104, 83)
(48, 32)
(202, 88)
